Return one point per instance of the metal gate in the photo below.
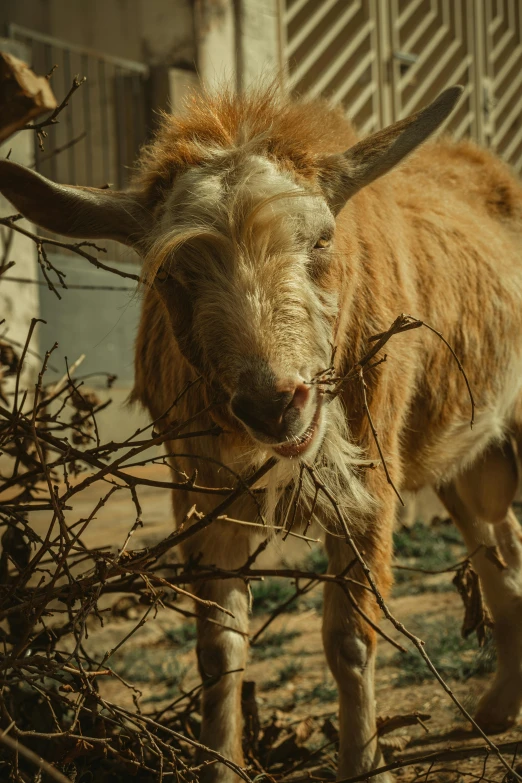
(383, 59)
(97, 138)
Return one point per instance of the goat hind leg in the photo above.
(479, 502)
(500, 706)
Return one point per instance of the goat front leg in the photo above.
(350, 645)
(222, 647)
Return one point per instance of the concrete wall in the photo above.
(238, 42)
(259, 45)
(96, 316)
(100, 325)
(152, 31)
(219, 36)
(215, 22)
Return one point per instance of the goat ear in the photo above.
(87, 213)
(343, 175)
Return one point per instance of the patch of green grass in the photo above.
(316, 560)
(289, 671)
(269, 594)
(271, 644)
(415, 585)
(154, 666)
(168, 690)
(314, 600)
(427, 547)
(324, 691)
(147, 665)
(431, 546)
(286, 673)
(183, 636)
(454, 658)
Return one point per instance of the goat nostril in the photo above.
(273, 412)
(300, 398)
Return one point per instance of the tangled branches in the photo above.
(40, 434)
(52, 585)
(57, 715)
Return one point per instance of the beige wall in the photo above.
(151, 31)
(220, 37)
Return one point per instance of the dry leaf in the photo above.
(388, 724)
(80, 749)
(303, 730)
(23, 95)
(394, 743)
(476, 616)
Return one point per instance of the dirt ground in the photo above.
(293, 685)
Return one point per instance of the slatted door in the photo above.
(502, 84)
(383, 59)
(332, 49)
(433, 44)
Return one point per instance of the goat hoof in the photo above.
(492, 724)
(499, 709)
(384, 777)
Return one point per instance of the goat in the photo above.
(268, 235)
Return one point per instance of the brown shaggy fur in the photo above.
(440, 238)
(295, 135)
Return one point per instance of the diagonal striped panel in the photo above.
(332, 51)
(384, 59)
(503, 64)
(433, 46)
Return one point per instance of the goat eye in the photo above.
(322, 243)
(162, 275)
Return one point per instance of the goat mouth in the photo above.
(298, 446)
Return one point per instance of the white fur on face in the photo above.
(239, 238)
(231, 185)
(247, 234)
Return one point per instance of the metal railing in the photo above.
(98, 137)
